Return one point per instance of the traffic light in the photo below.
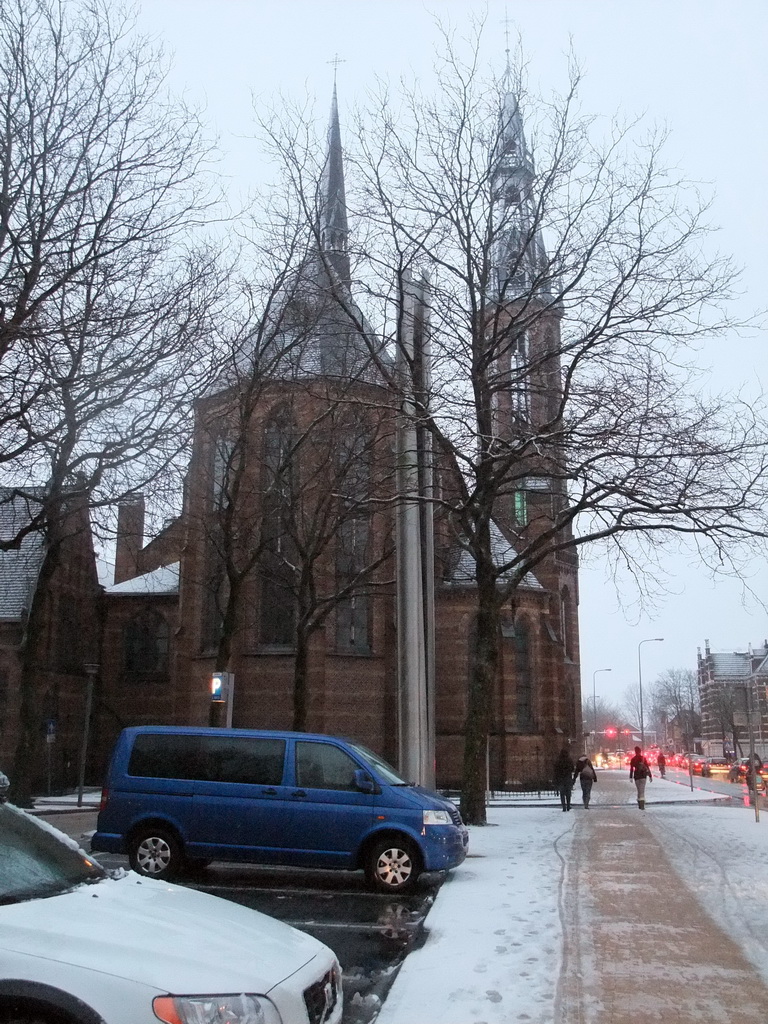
(610, 731)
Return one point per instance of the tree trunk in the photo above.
(300, 680)
(480, 693)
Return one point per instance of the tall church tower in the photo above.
(525, 328)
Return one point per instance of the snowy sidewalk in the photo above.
(582, 918)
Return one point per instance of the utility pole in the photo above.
(415, 546)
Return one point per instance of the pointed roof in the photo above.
(19, 567)
(333, 226)
(463, 573)
(164, 580)
(520, 256)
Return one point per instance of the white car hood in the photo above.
(174, 939)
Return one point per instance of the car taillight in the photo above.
(104, 798)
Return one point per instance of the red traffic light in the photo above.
(610, 731)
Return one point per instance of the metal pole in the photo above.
(594, 703)
(650, 640)
(91, 671)
(230, 697)
(412, 670)
(752, 765)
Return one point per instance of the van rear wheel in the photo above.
(393, 865)
(156, 852)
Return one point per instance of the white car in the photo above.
(79, 945)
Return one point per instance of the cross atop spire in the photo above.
(335, 61)
(506, 21)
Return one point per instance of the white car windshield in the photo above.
(35, 862)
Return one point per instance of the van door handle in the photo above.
(298, 792)
(269, 792)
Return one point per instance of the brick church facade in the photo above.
(316, 647)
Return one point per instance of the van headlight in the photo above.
(240, 1009)
(437, 818)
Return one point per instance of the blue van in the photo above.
(177, 797)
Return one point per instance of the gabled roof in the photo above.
(19, 568)
(464, 572)
(164, 580)
(738, 664)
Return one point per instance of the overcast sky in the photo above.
(698, 66)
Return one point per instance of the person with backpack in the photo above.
(586, 774)
(640, 771)
(562, 776)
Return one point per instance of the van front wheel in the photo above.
(156, 853)
(393, 865)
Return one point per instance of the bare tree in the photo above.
(570, 284)
(599, 715)
(106, 297)
(568, 281)
(300, 527)
(675, 698)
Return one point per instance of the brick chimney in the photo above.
(130, 538)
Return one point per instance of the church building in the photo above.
(284, 566)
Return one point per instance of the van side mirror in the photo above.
(364, 782)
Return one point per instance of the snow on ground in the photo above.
(721, 854)
(493, 950)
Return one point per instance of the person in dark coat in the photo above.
(562, 775)
(661, 761)
(586, 774)
(640, 771)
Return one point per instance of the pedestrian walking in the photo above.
(562, 774)
(640, 771)
(587, 776)
(661, 761)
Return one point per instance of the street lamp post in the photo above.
(650, 640)
(91, 672)
(594, 701)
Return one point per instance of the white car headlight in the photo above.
(436, 818)
(241, 1009)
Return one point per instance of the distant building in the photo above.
(50, 629)
(732, 683)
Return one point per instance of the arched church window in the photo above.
(277, 569)
(523, 677)
(520, 375)
(223, 453)
(353, 472)
(565, 623)
(145, 644)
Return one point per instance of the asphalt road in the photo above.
(370, 933)
(714, 784)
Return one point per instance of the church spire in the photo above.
(519, 257)
(333, 228)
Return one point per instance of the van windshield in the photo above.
(386, 771)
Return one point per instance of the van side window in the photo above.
(164, 756)
(323, 766)
(256, 762)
